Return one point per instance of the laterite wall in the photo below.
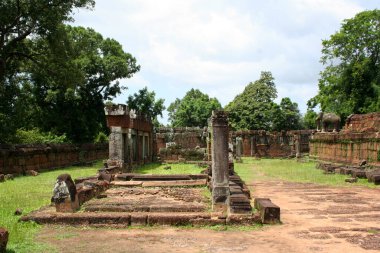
(16, 159)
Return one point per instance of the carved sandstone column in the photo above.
(219, 153)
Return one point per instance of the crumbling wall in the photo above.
(261, 143)
(17, 159)
(359, 140)
(186, 143)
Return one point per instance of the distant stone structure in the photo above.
(180, 143)
(131, 137)
(358, 140)
(261, 143)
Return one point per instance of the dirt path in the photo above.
(315, 219)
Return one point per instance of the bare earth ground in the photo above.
(315, 219)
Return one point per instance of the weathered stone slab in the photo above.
(199, 182)
(2, 178)
(242, 219)
(351, 180)
(359, 173)
(124, 176)
(82, 179)
(3, 240)
(139, 219)
(126, 183)
(175, 218)
(160, 177)
(376, 179)
(269, 212)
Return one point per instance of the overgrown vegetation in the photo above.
(31, 193)
(34, 136)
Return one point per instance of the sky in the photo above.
(220, 46)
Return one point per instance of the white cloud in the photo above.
(219, 46)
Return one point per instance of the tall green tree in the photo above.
(253, 108)
(350, 82)
(21, 24)
(193, 110)
(145, 102)
(80, 70)
(309, 119)
(286, 116)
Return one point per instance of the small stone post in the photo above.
(239, 149)
(219, 152)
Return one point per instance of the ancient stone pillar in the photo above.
(116, 147)
(219, 153)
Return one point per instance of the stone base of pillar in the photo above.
(68, 206)
(220, 197)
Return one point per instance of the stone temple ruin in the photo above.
(354, 151)
(124, 199)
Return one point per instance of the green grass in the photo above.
(31, 193)
(175, 168)
(291, 170)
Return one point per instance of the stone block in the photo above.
(376, 179)
(351, 180)
(31, 173)
(269, 212)
(3, 240)
(139, 219)
(67, 206)
(359, 173)
(2, 178)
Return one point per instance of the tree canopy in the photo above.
(193, 110)
(54, 77)
(252, 109)
(145, 101)
(350, 82)
(286, 116)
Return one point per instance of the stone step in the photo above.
(143, 208)
(160, 177)
(176, 183)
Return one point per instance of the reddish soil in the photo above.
(315, 219)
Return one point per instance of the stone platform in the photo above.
(155, 200)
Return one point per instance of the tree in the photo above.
(20, 20)
(350, 82)
(145, 102)
(193, 110)
(253, 108)
(286, 116)
(309, 119)
(21, 23)
(79, 70)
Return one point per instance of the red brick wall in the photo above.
(348, 148)
(16, 159)
(363, 123)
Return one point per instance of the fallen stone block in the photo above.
(124, 176)
(3, 240)
(31, 173)
(359, 173)
(269, 212)
(351, 180)
(376, 179)
(104, 176)
(2, 178)
(9, 177)
(242, 219)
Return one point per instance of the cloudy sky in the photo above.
(219, 46)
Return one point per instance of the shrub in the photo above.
(101, 138)
(35, 136)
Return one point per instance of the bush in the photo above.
(101, 138)
(35, 136)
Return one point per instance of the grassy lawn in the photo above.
(30, 193)
(175, 168)
(291, 170)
